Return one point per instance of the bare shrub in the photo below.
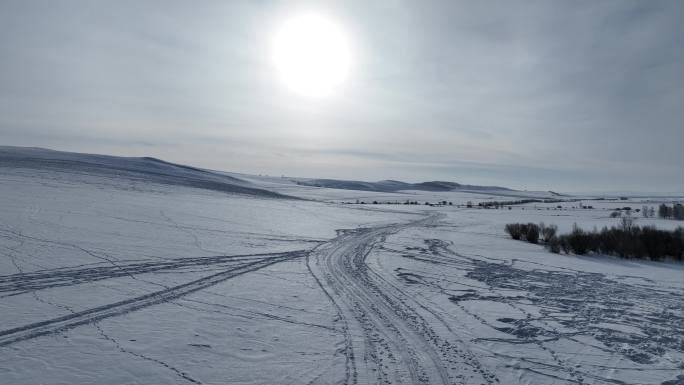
(627, 222)
(554, 245)
(532, 233)
(514, 230)
(549, 232)
(579, 240)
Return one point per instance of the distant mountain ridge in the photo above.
(153, 170)
(142, 169)
(394, 186)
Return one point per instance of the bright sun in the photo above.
(311, 54)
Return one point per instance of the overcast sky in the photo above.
(562, 95)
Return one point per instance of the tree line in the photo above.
(625, 240)
(676, 211)
(497, 204)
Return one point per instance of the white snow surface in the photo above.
(105, 281)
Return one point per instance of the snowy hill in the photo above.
(143, 169)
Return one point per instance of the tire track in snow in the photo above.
(386, 340)
(10, 336)
(44, 279)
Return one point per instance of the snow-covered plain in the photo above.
(112, 279)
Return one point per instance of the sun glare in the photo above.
(311, 54)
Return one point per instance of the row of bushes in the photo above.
(497, 204)
(626, 240)
(530, 232)
(406, 202)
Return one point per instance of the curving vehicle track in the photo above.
(389, 337)
(408, 311)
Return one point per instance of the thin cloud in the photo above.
(530, 94)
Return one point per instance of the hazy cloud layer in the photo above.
(532, 94)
